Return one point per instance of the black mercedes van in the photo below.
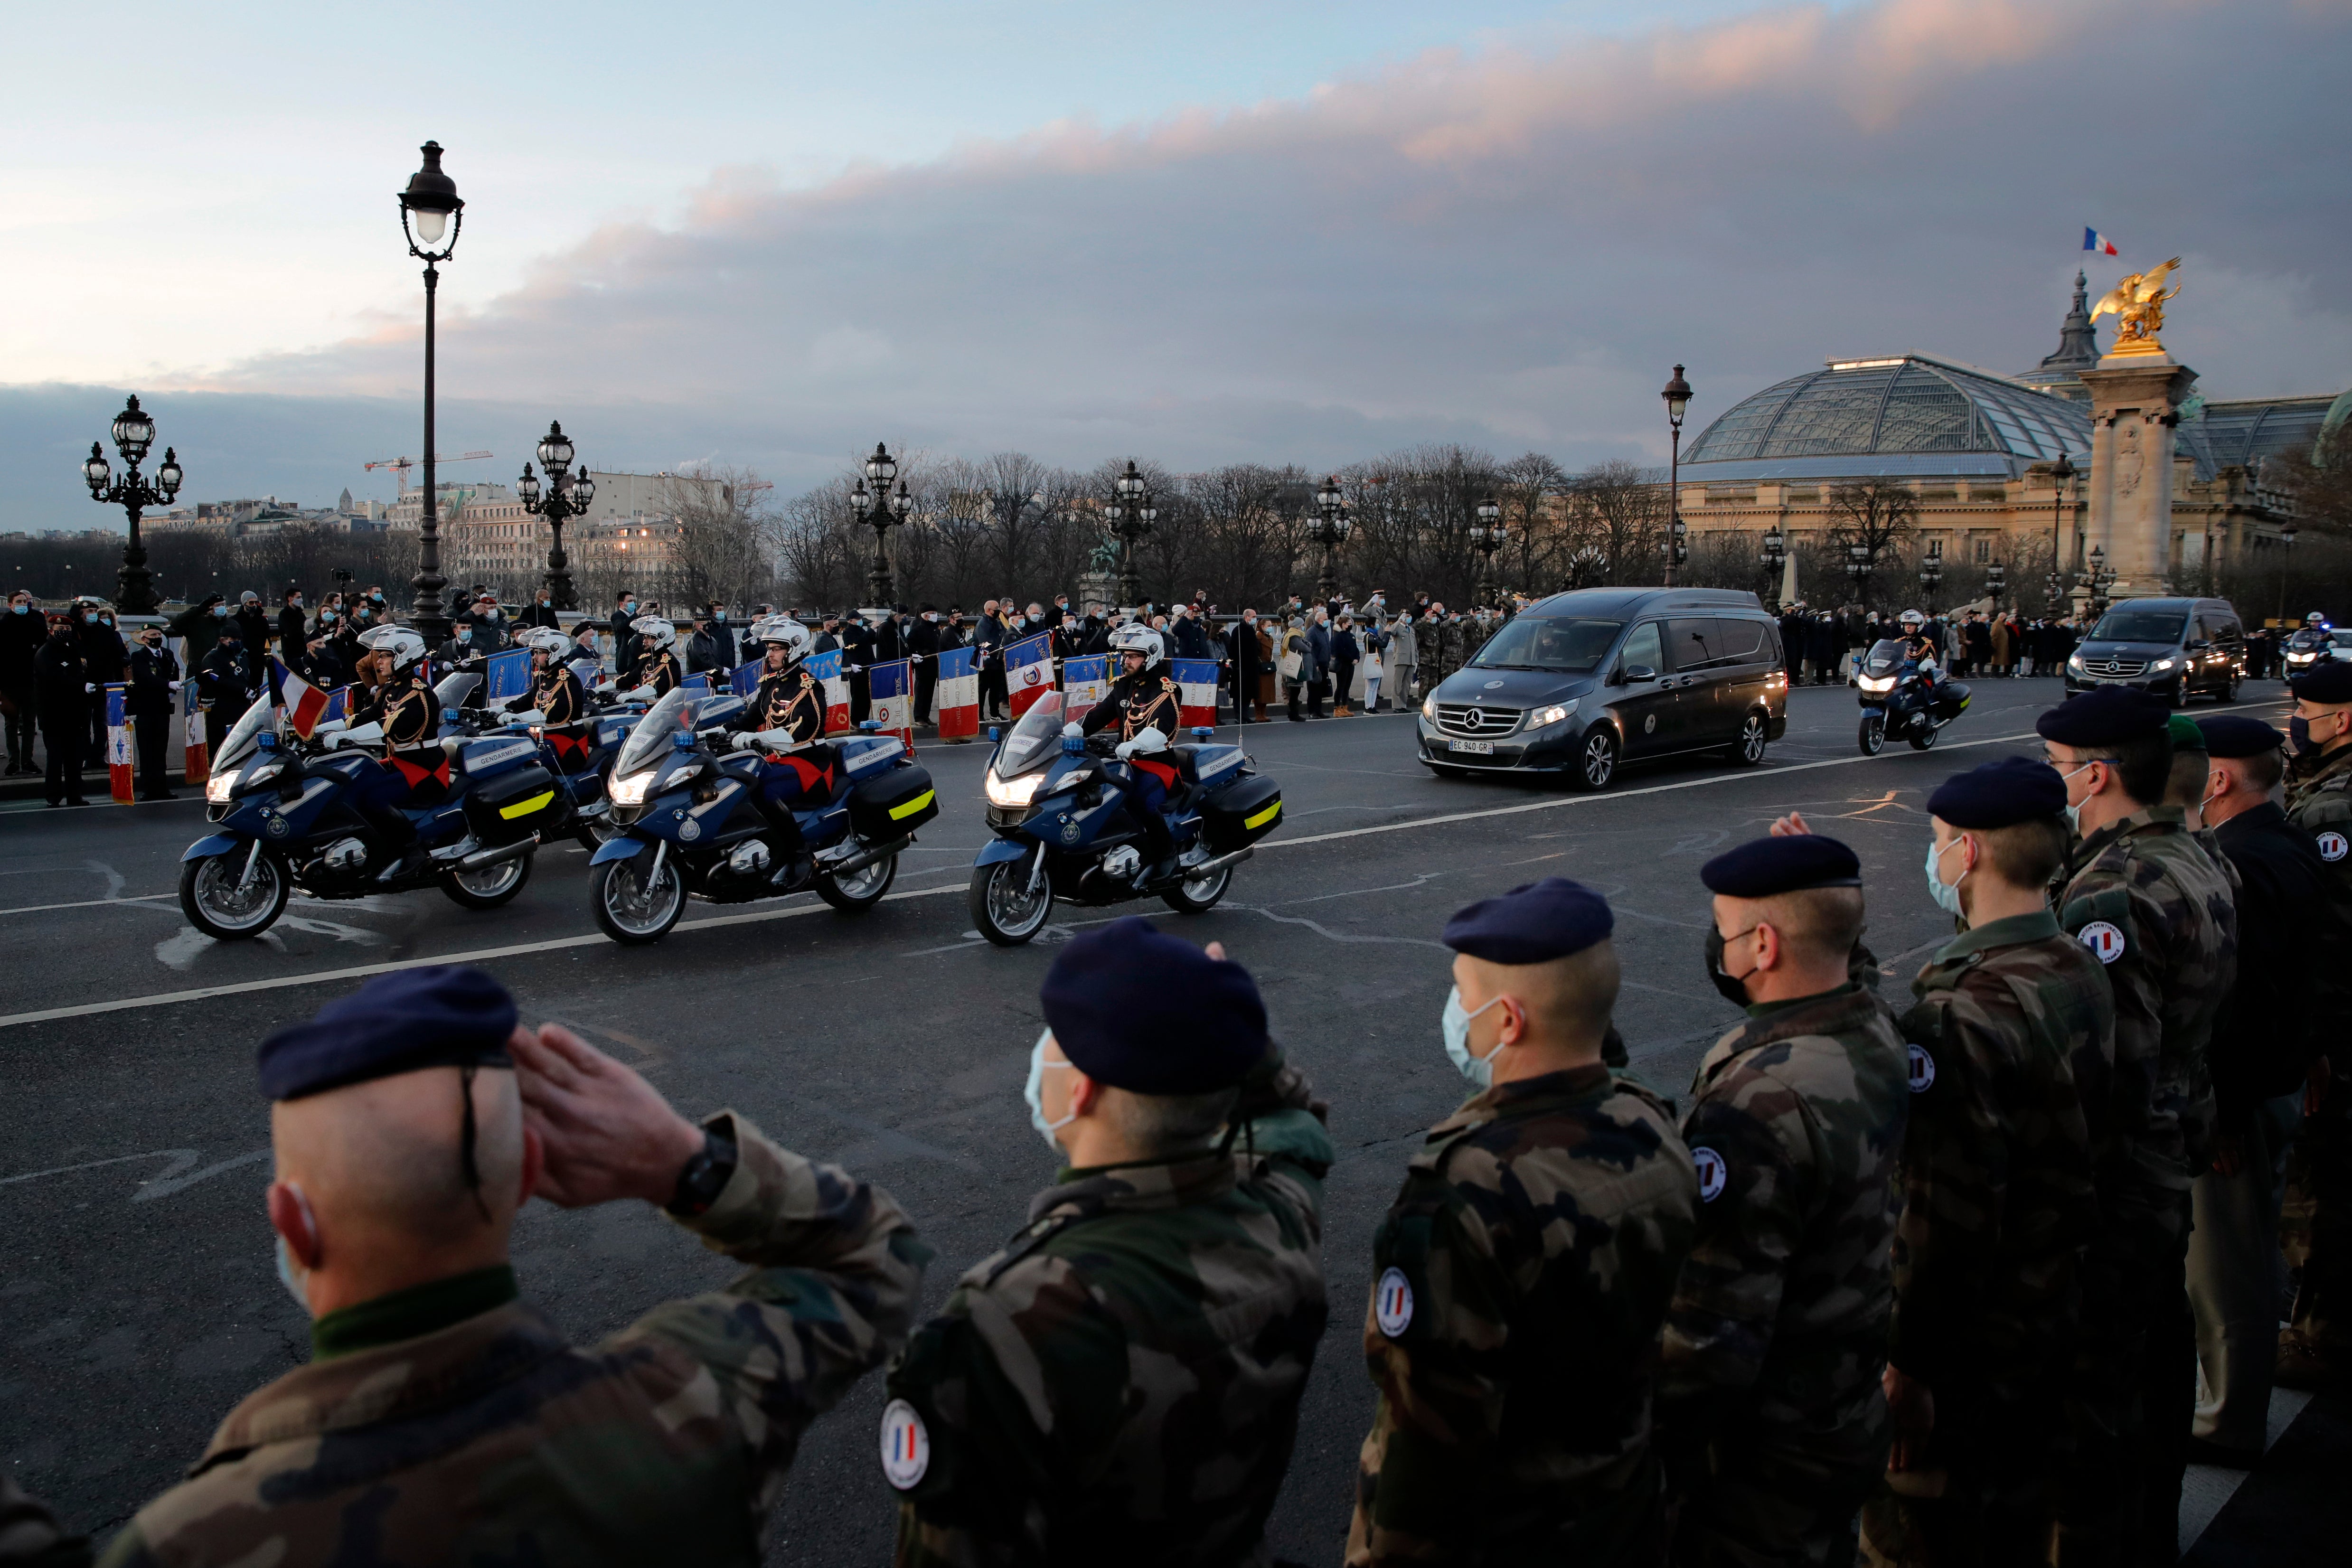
(2177, 648)
(1582, 682)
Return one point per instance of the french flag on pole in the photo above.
(891, 687)
(305, 704)
(1028, 671)
(2094, 240)
(120, 726)
(826, 668)
(1196, 683)
(746, 678)
(195, 758)
(1086, 681)
(958, 696)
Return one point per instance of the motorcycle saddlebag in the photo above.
(893, 803)
(1241, 815)
(501, 810)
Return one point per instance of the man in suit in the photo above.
(923, 647)
(153, 692)
(626, 655)
(1243, 663)
(988, 639)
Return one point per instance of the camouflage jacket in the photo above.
(1997, 1171)
(1520, 1280)
(493, 1441)
(1120, 1383)
(2320, 802)
(1777, 1336)
(2145, 898)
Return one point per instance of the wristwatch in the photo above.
(704, 1176)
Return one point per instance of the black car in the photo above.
(2176, 648)
(1575, 684)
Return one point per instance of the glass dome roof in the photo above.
(1907, 408)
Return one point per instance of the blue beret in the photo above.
(2000, 794)
(434, 1017)
(2104, 715)
(1151, 1014)
(1529, 925)
(2235, 735)
(1763, 867)
(2330, 682)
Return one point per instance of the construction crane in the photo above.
(401, 465)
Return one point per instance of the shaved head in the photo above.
(1818, 924)
(381, 1161)
(1569, 998)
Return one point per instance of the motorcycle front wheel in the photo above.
(859, 891)
(219, 902)
(632, 907)
(1873, 732)
(1006, 912)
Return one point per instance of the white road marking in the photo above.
(89, 904)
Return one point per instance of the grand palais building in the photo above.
(1978, 448)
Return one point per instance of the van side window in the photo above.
(1642, 648)
(1741, 643)
(1690, 644)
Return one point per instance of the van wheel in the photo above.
(1748, 749)
(1596, 760)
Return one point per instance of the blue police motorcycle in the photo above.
(1899, 699)
(700, 812)
(581, 766)
(288, 816)
(1062, 831)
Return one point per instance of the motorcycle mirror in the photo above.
(995, 733)
(1203, 731)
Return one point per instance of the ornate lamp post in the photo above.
(1858, 566)
(1677, 395)
(1931, 575)
(2286, 539)
(1996, 580)
(133, 432)
(430, 216)
(567, 495)
(1774, 557)
(881, 508)
(2062, 473)
(2100, 578)
(1131, 510)
(1331, 532)
(1488, 534)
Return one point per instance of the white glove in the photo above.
(88, 688)
(174, 684)
(1073, 729)
(1149, 741)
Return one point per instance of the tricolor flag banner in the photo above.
(118, 746)
(305, 704)
(507, 674)
(957, 695)
(892, 688)
(1196, 681)
(826, 668)
(746, 678)
(2093, 240)
(1028, 671)
(339, 704)
(196, 754)
(1086, 681)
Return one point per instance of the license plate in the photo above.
(1483, 747)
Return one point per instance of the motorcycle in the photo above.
(1063, 832)
(1898, 699)
(691, 821)
(583, 772)
(287, 816)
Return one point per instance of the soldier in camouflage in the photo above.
(1120, 1383)
(2143, 895)
(2316, 1348)
(1522, 1274)
(1770, 1409)
(442, 1420)
(1997, 1188)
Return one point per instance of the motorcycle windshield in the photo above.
(1035, 740)
(1885, 658)
(650, 738)
(451, 689)
(238, 748)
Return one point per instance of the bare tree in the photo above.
(726, 534)
(1879, 515)
(1531, 489)
(1620, 510)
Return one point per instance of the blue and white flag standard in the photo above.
(508, 673)
(1028, 671)
(2093, 240)
(746, 678)
(957, 695)
(826, 668)
(892, 707)
(1086, 681)
(1196, 684)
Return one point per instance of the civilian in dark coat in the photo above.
(1315, 670)
(1819, 659)
(22, 630)
(154, 689)
(711, 648)
(292, 628)
(856, 656)
(1345, 656)
(988, 639)
(627, 653)
(62, 691)
(223, 686)
(541, 611)
(105, 658)
(1243, 663)
(923, 648)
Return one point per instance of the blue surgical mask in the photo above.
(1479, 1070)
(19, 609)
(2074, 813)
(1033, 1092)
(291, 1275)
(92, 617)
(1946, 894)
(720, 618)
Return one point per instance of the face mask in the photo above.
(326, 615)
(1479, 1070)
(720, 618)
(292, 1275)
(2074, 813)
(2298, 731)
(91, 620)
(377, 597)
(1946, 894)
(1034, 1093)
(19, 609)
(630, 607)
(1734, 988)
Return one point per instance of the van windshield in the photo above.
(2139, 626)
(1557, 645)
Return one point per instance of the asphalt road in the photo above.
(140, 1301)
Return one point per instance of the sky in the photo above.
(770, 235)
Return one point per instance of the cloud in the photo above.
(1508, 248)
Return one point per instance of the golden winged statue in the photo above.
(2138, 304)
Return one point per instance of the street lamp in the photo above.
(1931, 575)
(1331, 532)
(2100, 578)
(1774, 556)
(1131, 510)
(1858, 564)
(2061, 472)
(430, 216)
(1677, 395)
(134, 434)
(1996, 579)
(1487, 535)
(881, 508)
(567, 493)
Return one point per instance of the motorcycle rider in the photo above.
(1147, 705)
(416, 771)
(1918, 646)
(660, 667)
(557, 695)
(789, 698)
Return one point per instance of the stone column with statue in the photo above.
(2135, 394)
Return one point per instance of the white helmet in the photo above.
(546, 639)
(1913, 618)
(1135, 637)
(784, 631)
(655, 630)
(405, 647)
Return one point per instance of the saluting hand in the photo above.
(607, 1133)
(1791, 826)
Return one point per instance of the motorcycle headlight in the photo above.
(1011, 792)
(631, 790)
(1543, 718)
(1877, 683)
(254, 778)
(221, 788)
